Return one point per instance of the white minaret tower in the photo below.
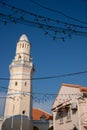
(19, 96)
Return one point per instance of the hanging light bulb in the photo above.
(63, 39)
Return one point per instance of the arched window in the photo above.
(51, 128)
(20, 45)
(25, 83)
(19, 57)
(27, 46)
(16, 83)
(23, 112)
(23, 45)
(35, 128)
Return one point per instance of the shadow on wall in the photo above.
(17, 122)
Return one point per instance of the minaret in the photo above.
(19, 96)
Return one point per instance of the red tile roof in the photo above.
(37, 113)
(83, 89)
(85, 127)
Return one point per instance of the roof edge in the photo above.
(72, 85)
(42, 110)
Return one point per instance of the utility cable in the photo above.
(50, 77)
(39, 16)
(44, 23)
(59, 12)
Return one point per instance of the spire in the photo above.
(23, 45)
(24, 38)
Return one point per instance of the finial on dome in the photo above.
(24, 38)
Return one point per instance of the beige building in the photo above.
(70, 108)
(18, 108)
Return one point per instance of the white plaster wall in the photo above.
(68, 93)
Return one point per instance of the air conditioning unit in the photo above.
(74, 106)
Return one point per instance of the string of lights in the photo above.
(42, 96)
(45, 19)
(59, 12)
(61, 30)
(9, 19)
(38, 98)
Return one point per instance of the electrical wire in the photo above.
(51, 77)
(43, 23)
(59, 12)
(35, 93)
(39, 16)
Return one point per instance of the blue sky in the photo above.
(50, 57)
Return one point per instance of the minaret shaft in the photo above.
(19, 99)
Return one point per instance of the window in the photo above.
(68, 114)
(28, 46)
(22, 45)
(16, 83)
(60, 116)
(19, 57)
(25, 45)
(35, 128)
(25, 83)
(43, 117)
(23, 112)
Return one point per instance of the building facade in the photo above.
(19, 95)
(70, 108)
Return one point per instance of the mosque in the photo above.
(19, 113)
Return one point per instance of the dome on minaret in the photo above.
(24, 38)
(23, 45)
